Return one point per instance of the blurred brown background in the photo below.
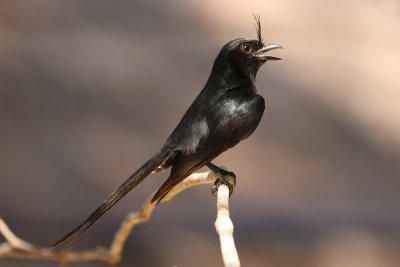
(89, 90)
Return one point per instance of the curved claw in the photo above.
(228, 179)
(224, 177)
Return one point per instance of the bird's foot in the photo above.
(224, 177)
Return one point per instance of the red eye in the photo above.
(246, 48)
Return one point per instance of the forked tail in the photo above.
(117, 195)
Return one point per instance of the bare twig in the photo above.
(145, 212)
(224, 227)
(17, 248)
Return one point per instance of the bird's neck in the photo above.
(224, 74)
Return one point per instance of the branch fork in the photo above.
(16, 247)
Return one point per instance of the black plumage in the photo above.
(226, 111)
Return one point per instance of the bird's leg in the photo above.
(224, 177)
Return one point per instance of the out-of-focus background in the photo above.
(89, 90)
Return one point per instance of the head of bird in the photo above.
(244, 57)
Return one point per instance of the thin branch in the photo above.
(147, 208)
(224, 227)
(15, 247)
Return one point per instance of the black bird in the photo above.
(226, 111)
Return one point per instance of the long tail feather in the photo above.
(117, 195)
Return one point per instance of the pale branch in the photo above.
(224, 227)
(147, 208)
(15, 247)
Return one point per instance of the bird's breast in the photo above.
(236, 115)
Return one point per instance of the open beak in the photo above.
(267, 48)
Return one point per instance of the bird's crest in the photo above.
(258, 28)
